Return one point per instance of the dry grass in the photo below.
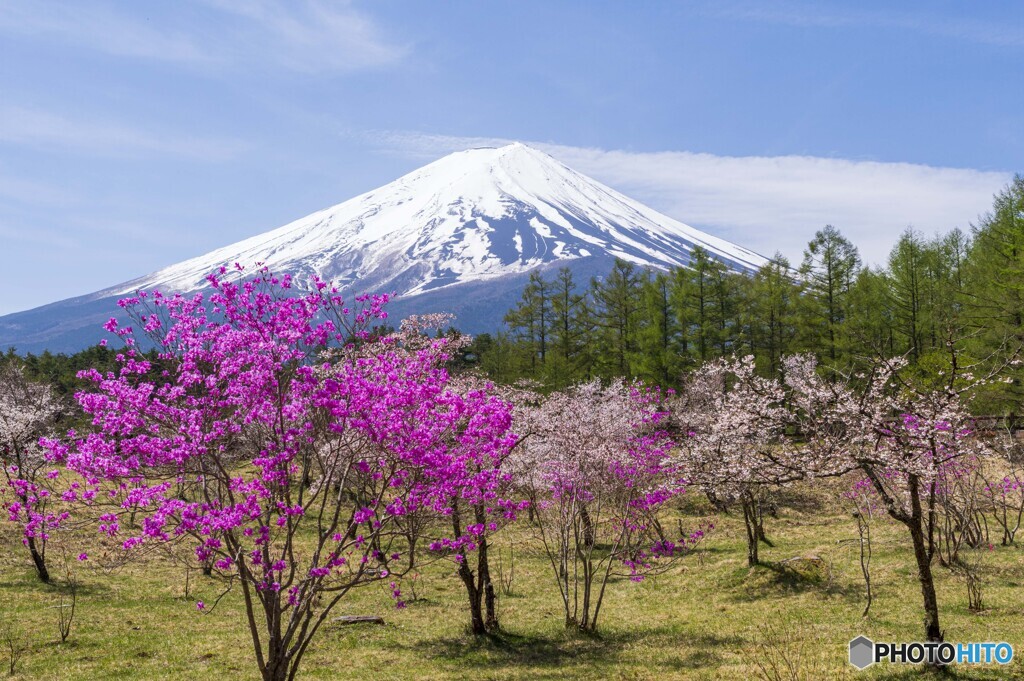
(708, 618)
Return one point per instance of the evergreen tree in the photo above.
(658, 356)
(994, 283)
(568, 358)
(616, 308)
(770, 303)
(726, 290)
(700, 312)
(530, 321)
(870, 326)
(829, 269)
(907, 283)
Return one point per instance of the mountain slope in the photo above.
(481, 217)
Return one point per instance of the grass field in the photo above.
(708, 617)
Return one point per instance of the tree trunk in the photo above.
(278, 672)
(483, 573)
(750, 522)
(39, 561)
(932, 630)
(585, 622)
(588, 527)
(864, 532)
(720, 505)
(476, 616)
(479, 587)
(759, 524)
(279, 667)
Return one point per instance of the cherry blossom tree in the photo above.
(27, 412)
(731, 424)
(904, 436)
(597, 467)
(284, 442)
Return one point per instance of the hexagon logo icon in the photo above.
(862, 652)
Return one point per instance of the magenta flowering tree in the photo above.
(481, 506)
(281, 441)
(27, 412)
(478, 500)
(1002, 487)
(597, 466)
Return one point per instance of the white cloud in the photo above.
(768, 204)
(1003, 34)
(299, 35)
(42, 129)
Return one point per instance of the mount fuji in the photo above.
(460, 234)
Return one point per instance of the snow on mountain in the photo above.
(458, 235)
(471, 216)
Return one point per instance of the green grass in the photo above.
(706, 618)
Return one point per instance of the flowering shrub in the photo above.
(597, 466)
(27, 411)
(732, 424)
(284, 442)
(911, 443)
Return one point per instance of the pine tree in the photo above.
(530, 321)
(658, 356)
(770, 304)
(568, 359)
(994, 283)
(616, 307)
(697, 292)
(870, 326)
(829, 269)
(907, 283)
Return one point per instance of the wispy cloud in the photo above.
(98, 27)
(18, 189)
(52, 240)
(300, 35)
(310, 35)
(1002, 34)
(767, 204)
(46, 130)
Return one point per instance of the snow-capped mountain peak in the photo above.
(458, 235)
(471, 216)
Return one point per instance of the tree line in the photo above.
(964, 287)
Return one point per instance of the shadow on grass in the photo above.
(711, 550)
(767, 579)
(800, 501)
(515, 650)
(699, 659)
(22, 584)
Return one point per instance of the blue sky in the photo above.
(137, 134)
